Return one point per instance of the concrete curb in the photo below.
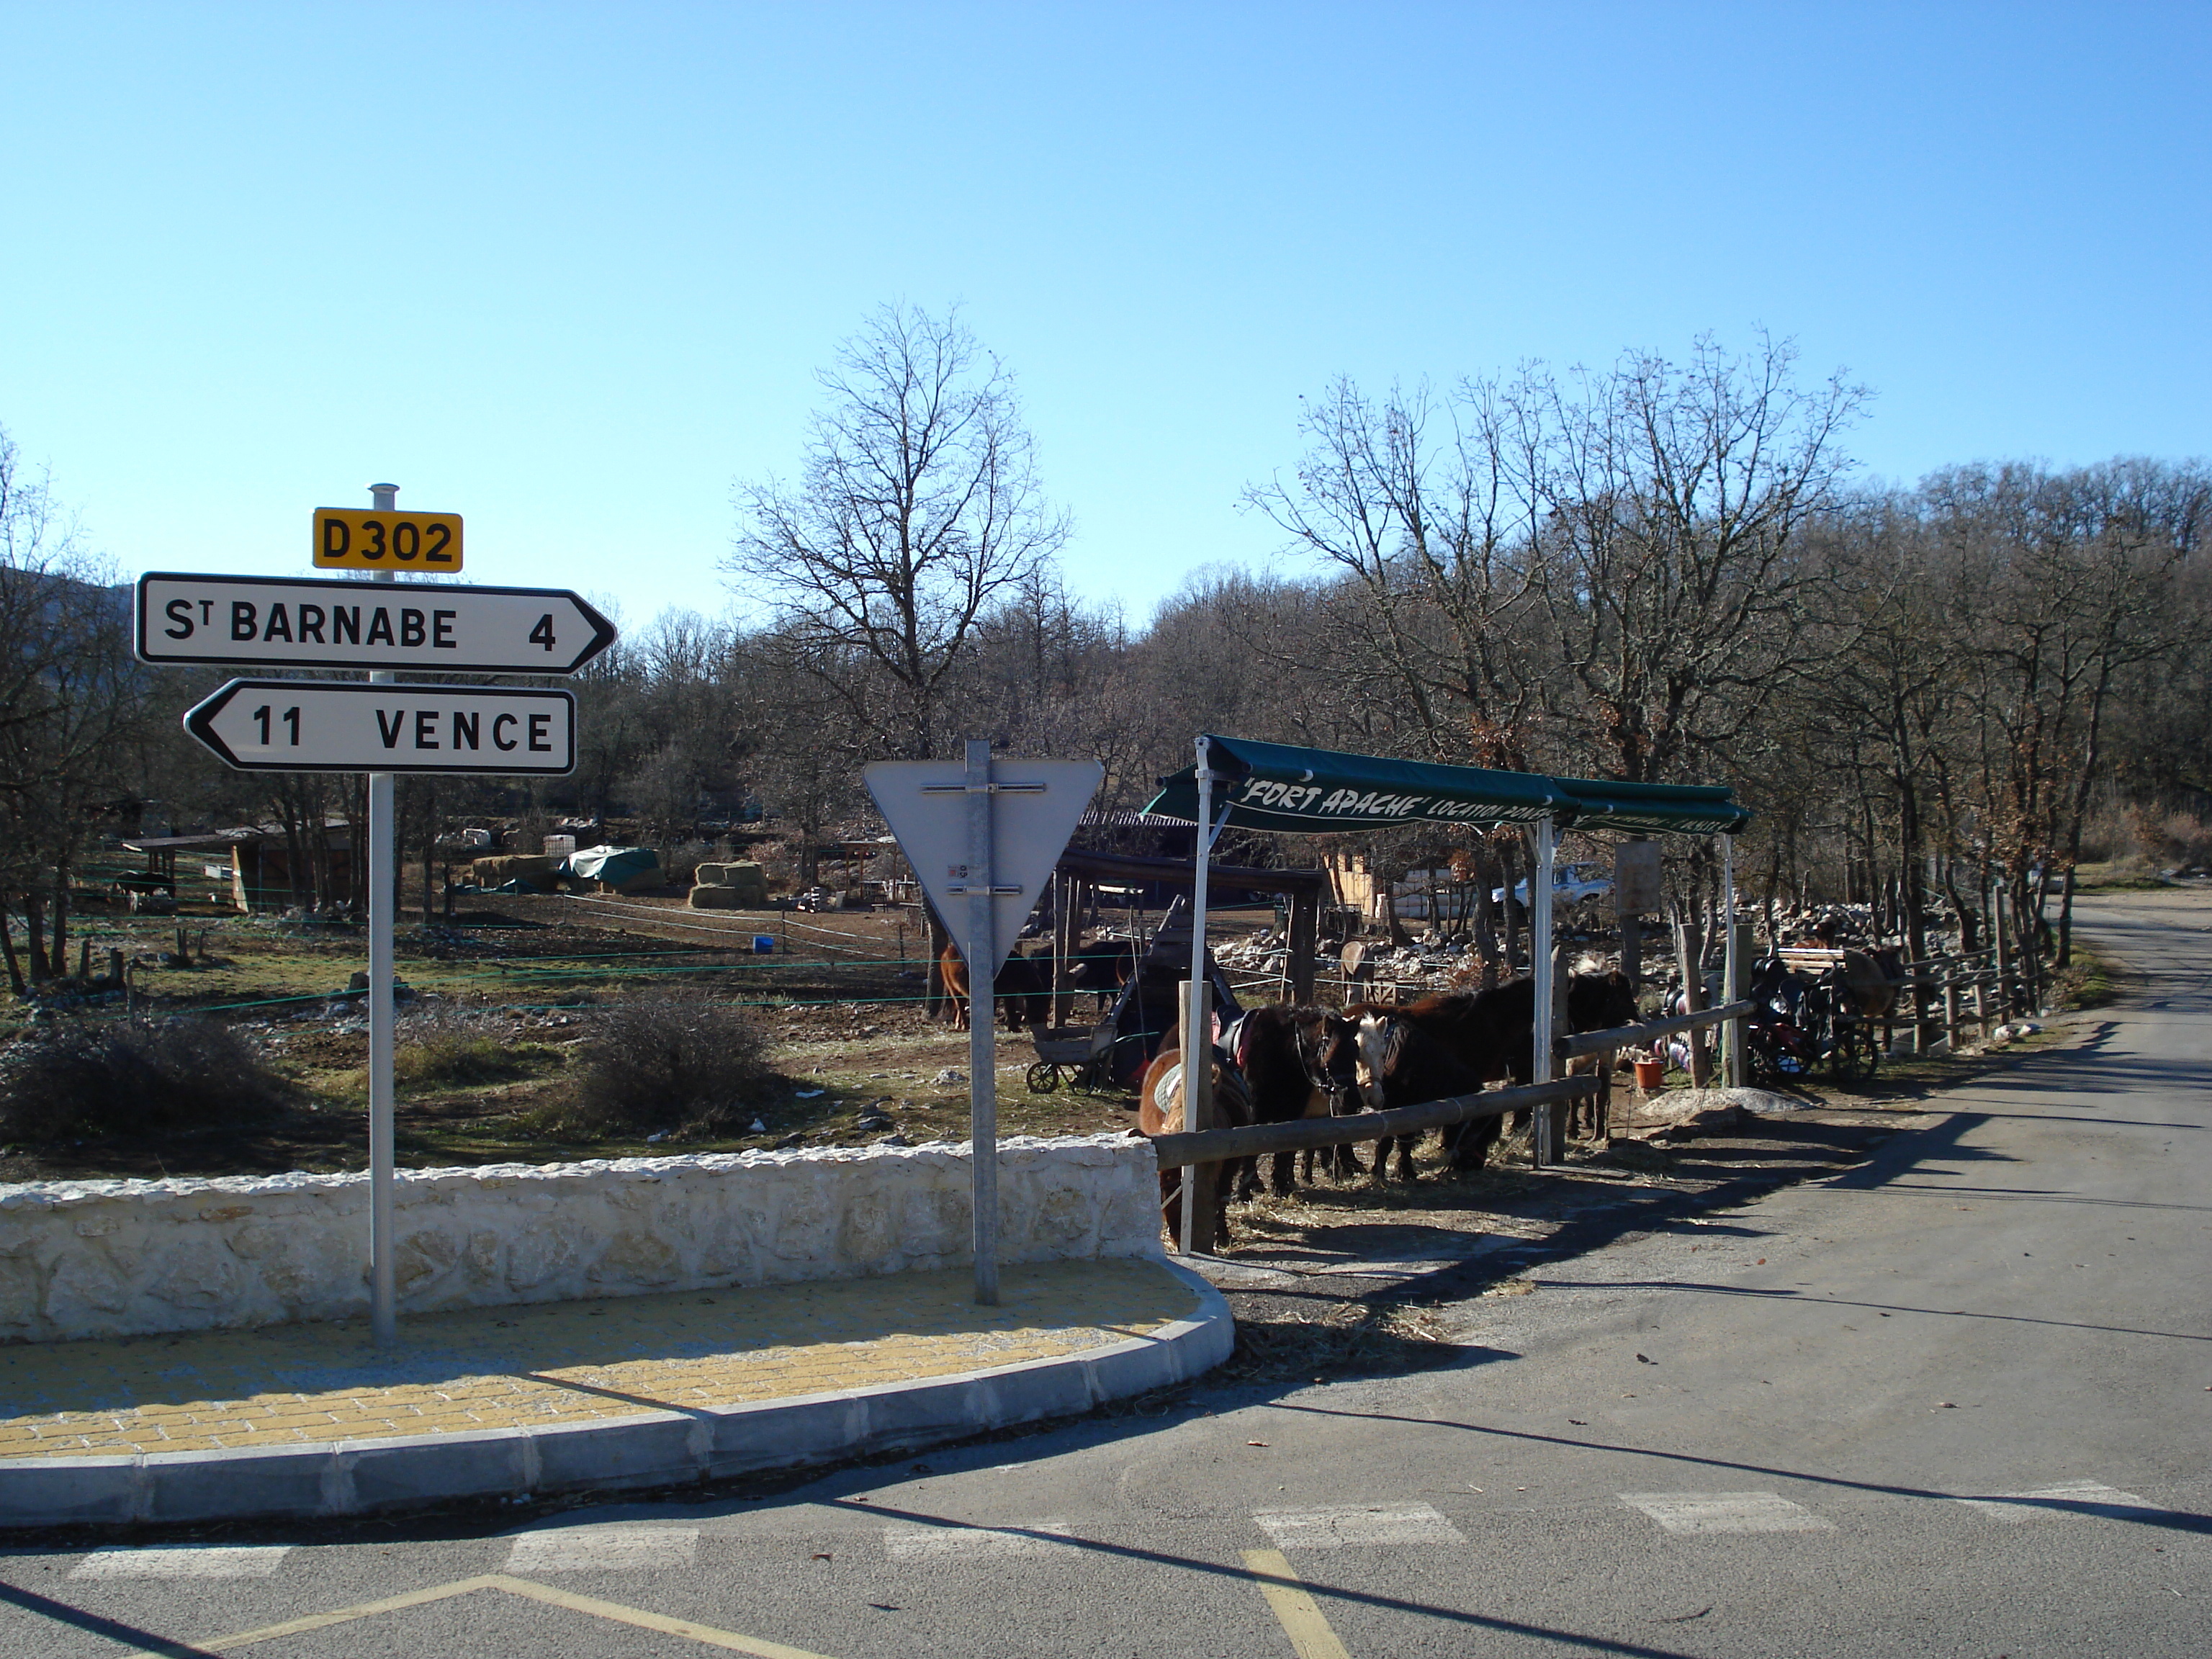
(652, 1448)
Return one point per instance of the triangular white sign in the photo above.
(1035, 807)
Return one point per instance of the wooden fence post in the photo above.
(2003, 953)
(1193, 1013)
(1951, 1002)
(1561, 1112)
(1693, 1001)
(1063, 942)
(1305, 931)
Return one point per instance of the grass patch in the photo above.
(2088, 982)
(2132, 872)
(456, 1060)
(450, 1052)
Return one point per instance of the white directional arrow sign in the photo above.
(279, 623)
(1035, 807)
(320, 726)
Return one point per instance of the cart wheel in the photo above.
(1857, 1052)
(1043, 1077)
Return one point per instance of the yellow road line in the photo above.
(614, 1611)
(347, 1615)
(1294, 1610)
(644, 1620)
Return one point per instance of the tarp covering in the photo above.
(1272, 786)
(619, 867)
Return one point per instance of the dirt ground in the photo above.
(842, 1012)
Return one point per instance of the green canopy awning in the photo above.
(1681, 809)
(1273, 786)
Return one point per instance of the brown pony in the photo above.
(1022, 989)
(1159, 1112)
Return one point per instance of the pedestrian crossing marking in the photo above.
(927, 1543)
(1726, 1511)
(603, 1549)
(2071, 1497)
(183, 1561)
(1344, 1527)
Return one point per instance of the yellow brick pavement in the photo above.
(488, 1368)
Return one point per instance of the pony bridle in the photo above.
(1333, 1088)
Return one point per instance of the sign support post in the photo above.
(383, 1315)
(380, 729)
(1540, 1150)
(982, 1021)
(982, 840)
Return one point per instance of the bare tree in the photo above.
(919, 505)
(1670, 547)
(71, 701)
(1433, 530)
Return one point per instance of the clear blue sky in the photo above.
(569, 269)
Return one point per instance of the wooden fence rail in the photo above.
(1641, 1036)
(1256, 1139)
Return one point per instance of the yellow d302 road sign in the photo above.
(347, 538)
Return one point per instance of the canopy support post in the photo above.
(1196, 1014)
(1731, 971)
(1540, 1150)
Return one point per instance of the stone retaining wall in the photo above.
(112, 1258)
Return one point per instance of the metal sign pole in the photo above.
(1540, 1150)
(383, 1316)
(982, 1009)
(982, 840)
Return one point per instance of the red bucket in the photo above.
(1649, 1074)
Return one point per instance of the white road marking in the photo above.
(1365, 1523)
(1726, 1511)
(2073, 1497)
(923, 1543)
(603, 1549)
(183, 1561)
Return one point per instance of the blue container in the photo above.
(763, 944)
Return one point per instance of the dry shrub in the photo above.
(2178, 841)
(87, 1081)
(668, 1062)
(2112, 832)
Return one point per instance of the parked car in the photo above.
(1573, 885)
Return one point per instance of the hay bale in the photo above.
(707, 897)
(747, 880)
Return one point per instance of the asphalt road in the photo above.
(1955, 1401)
